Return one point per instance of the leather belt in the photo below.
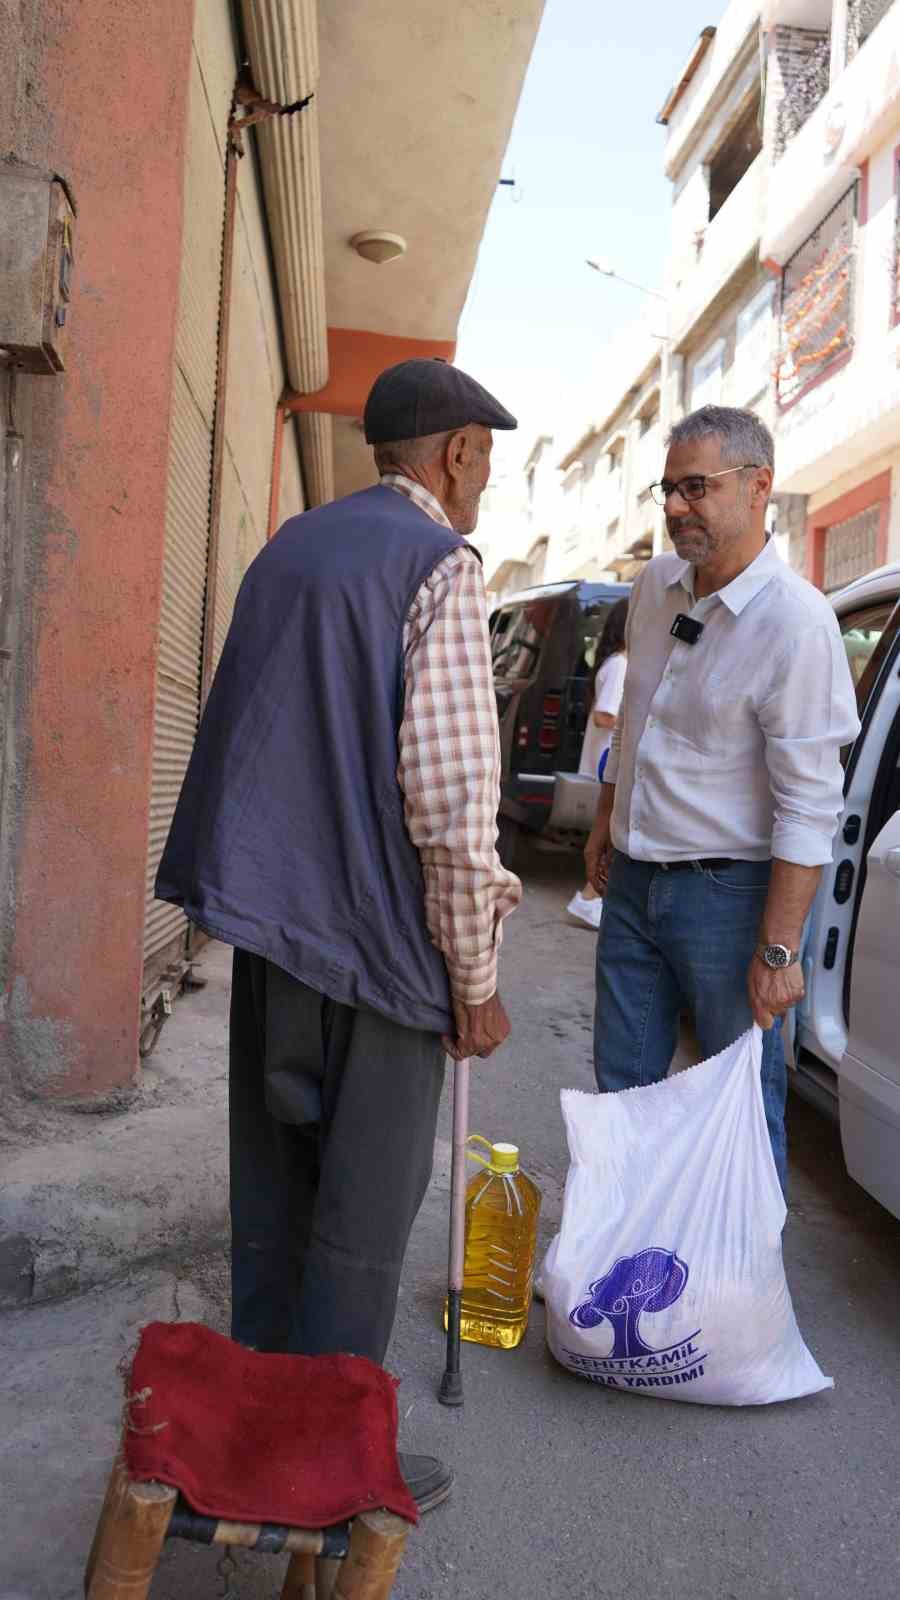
(710, 863)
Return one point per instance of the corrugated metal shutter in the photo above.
(187, 514)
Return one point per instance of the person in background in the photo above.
(605, 698)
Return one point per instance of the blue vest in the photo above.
(289, 837)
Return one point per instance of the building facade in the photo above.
(516, 519)
(831, 232)
(782, 294)
(723, 301)
(214, 174)
(609, 525)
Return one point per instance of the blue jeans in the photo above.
(681, 939)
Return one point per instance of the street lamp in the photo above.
(600, 264)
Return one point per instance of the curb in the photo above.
(77, 1214)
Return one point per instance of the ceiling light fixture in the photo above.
(378, 246)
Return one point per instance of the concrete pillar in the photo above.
(98, 95)
(839, 19)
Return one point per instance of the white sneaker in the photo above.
(587, 911)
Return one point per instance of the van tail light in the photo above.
(523, 736)
(548, 738)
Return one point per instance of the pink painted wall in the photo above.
(99, 97)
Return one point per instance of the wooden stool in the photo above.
(355, 1561)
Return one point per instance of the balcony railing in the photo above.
(804, 60)
(863, 17)
(816, 322)
(851, 548)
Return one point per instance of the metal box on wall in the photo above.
(36, 255)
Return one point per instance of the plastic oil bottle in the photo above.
(502, 1209)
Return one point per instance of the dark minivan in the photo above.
(543, 644)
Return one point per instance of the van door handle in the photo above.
(892, 861)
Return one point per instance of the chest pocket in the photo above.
(723, 718)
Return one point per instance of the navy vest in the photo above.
(289, 837)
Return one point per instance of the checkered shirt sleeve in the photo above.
(449, 768)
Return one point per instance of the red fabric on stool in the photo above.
(303, 1440)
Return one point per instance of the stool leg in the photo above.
(300, 1579)
(377, 1542)
(129, 1537)
(327, 1570)
(111, 1491)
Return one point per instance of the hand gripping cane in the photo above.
(450, 1392)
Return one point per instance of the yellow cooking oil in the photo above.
(502, 1209)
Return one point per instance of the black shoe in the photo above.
(427, 1479)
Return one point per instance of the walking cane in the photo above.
(450, 1392)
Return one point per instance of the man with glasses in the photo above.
(724, 784)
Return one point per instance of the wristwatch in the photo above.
(777, 956)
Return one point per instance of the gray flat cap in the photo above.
(428, 396)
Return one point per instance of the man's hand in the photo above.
(479, 1029)
(773, 990)
(598, 850)
(598, 854)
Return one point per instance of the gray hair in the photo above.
(744, 437)
(401, 453)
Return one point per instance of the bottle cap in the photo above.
(504, 1158)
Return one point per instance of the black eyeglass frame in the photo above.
(663, 490)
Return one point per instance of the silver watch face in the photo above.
(776, 955)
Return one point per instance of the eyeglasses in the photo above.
(693, 488)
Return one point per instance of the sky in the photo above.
(587, 156)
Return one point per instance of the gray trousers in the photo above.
(332, 1121)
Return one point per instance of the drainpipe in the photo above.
(232, 156)
(282, 43)
(12, 558)
(275, 479)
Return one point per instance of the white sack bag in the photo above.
(666, 1277)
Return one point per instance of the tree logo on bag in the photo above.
(652, 1280)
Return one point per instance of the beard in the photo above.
(692, 541)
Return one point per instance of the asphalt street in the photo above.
(564, 1489)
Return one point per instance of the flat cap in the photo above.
(428, 396)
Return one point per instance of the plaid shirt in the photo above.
(449, 767)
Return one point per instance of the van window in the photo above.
(518, 635)
(592, 626)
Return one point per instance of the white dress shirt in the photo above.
(731, 746)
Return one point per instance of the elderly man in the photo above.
(724, 784)
(337, 827)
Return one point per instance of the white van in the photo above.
(847, 1029)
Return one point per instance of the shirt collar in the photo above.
(419, 495)
(741, 590)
